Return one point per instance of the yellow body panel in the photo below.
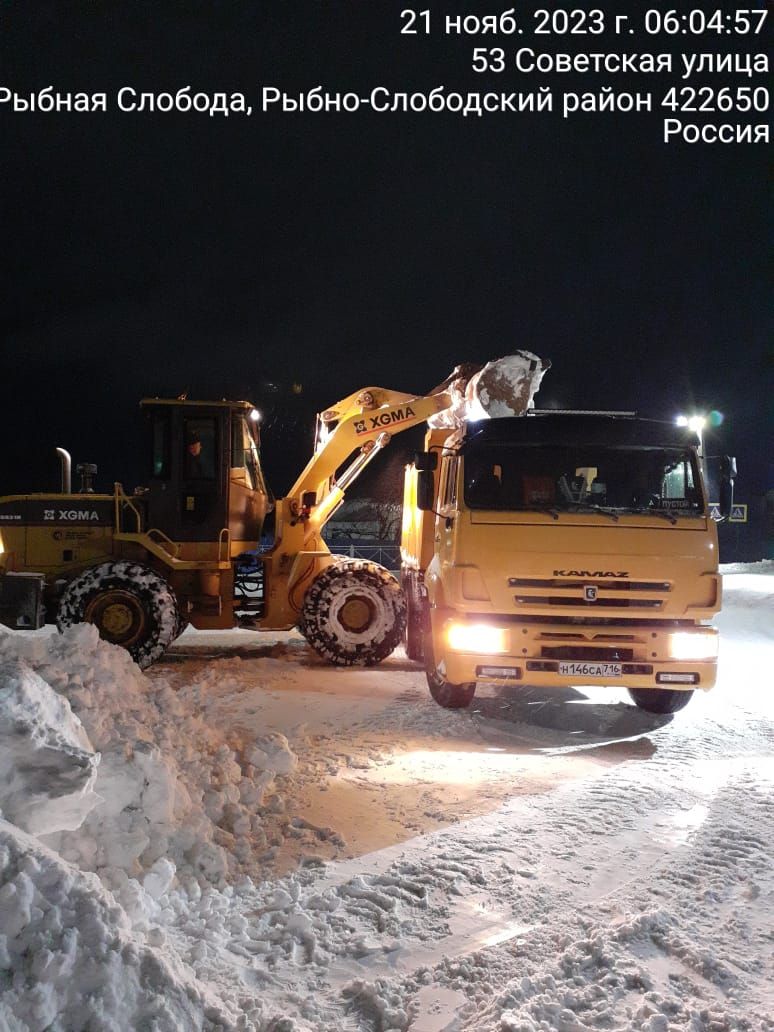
(52, 533)
(649, 647)
(646, 550)
(673, 567)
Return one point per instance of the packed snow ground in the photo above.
(281, 845)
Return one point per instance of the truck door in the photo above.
(448, 509)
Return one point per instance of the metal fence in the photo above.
(386, 555)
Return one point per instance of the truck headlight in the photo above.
(684, 646)
(479, 638)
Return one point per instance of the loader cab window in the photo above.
(199, 440)
(160, 446)
(244, 453)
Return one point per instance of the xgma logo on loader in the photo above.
(591, 573)
(72, 515)
(383, 419)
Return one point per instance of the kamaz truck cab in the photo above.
(562, 548)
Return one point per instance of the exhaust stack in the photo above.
(86, 471)
(67, 465)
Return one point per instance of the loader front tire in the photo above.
(354, 613)
(129, 604)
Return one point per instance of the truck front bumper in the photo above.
(628, 654)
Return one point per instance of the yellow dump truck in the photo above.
(562, 548)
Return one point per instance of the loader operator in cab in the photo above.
(198, 457)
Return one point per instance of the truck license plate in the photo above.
(590, 669)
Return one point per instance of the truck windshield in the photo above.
(576, 478)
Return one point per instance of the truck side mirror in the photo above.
(425, 490)
(426, 460)
(727, 474)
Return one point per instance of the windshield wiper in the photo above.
(648, 511)
(554, 513)
(580, 507)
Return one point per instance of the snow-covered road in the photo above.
(544, 861)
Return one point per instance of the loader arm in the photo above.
(364, 423)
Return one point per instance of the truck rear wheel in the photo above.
(354, 614)
(414, 621)
(129, 604)
(660, 700)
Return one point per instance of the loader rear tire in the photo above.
(354, 614)
(129, 604)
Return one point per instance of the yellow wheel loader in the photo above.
(142, 566)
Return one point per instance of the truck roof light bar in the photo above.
(578, 412)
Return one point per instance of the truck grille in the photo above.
(588, 653)
(568, 600)
(611, 592)
(607, 583)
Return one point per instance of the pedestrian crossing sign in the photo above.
(738, 512)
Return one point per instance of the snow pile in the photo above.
(639, 896)
(504, 387)
(70, 958)
(171, 785)
(47, 765)
(762, 568)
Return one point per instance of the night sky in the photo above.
(156, 254)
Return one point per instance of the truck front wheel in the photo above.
(354, 614)
(129, 604)
(450, 696)
(660, 700)
(446, 694)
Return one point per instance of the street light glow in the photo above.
(696, 423)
